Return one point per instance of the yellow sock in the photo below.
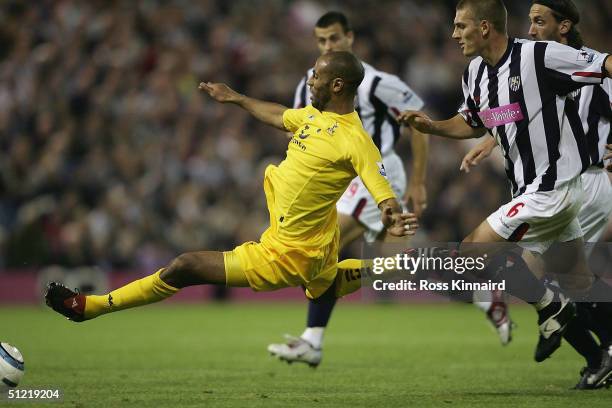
(348, 277)
(140, 292)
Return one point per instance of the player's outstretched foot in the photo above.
(587, 379)
(603, 376)
(553, 320)
(296, 349)
(65, 301)
(499, 317)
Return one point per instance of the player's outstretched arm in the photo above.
(454, 128)
(267, 112)
(608, 156)
(478, 153)
(416, 193)
(397, 223)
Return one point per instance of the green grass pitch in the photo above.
(214, 356)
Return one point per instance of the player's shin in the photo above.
(319, 312)
(579, 337)
(519, 280)
(149, 289)
(598, 297)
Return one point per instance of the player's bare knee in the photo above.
(179, 270)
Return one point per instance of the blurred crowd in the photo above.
(109, 156)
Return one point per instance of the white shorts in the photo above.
(358, 203)
(536, 220)
(597, 203)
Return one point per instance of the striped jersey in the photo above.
(381, 97)
(523, 103)
(595, 112)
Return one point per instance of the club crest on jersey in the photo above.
(585, 56)
(331, 130)
(303, 134)
(514, 83)
(381, 169)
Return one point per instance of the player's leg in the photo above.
(577, 334)
(593, 217)
(493, 304)
(307, 347)
(358, 216)
(566, 261)
(320, 309)
(520, 281)
(194, 268)
(592, 316)
(553, 312)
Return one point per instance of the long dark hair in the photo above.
(565, 10)
(574, 39)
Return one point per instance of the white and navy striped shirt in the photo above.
(523, 103)
(381, 97)
(595, 112)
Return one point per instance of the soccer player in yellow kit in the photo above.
(328, 149)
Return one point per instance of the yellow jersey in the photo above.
(326, 152)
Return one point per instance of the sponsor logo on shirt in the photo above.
(299, 144)
(502, 115)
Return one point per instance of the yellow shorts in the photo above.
(271, 265)
(274, 263)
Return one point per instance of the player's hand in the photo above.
(399, 224)
(416, 198)
(219, 92)
(476, 155)
(608, 156)
(418, 120)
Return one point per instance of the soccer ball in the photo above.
(11, 367)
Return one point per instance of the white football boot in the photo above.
(500, 319)
(296, 349)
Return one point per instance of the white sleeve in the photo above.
(301, 94)
(607, 87)
(397, 96)
(568, 68)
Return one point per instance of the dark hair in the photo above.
(333, 17)
(493, 11)
(565, 10)
(343, 64)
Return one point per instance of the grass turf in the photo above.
(214, 355)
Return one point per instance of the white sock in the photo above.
(482, 299)
(314, 335)
(546, 300)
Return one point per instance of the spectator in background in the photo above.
(105, 146)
